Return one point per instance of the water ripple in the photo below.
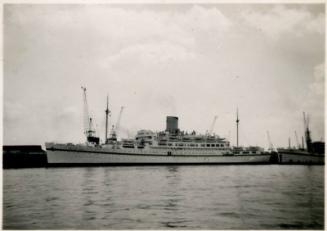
(165, 197)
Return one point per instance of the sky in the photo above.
(194, 61)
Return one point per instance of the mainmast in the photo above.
(237, 121)
(107, 115)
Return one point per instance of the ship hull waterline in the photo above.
(77, 158)
(299, 158)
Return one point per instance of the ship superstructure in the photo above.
(173, 138)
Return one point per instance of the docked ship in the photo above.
(171, 146)
(313, 153)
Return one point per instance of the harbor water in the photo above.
(165, 197)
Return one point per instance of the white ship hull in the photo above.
(74, 155)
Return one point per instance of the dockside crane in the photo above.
(307, 132)
(88, 122)
(297, 140)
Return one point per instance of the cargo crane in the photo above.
(271, 146)
(88, 122)
(86, 116)
(212, 125)
(118, 120)
(297, 140)
(307, 132)
(115, 129)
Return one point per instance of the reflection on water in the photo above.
(165, 197)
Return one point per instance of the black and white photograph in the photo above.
(163, 115)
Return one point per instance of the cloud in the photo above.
(159, 37)
(148, 54)
(118, 33)
(314, 102)
(204, 19)
(13, 109)
(193, 61)
(280, 20)
(317, 87)
(130, 26)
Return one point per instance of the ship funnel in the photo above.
(172, 124)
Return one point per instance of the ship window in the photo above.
(217, 145)
(212, 145)
(169, 144)
(203, 145)
(208, 145)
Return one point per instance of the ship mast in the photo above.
(107, 115)
(237, 121)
